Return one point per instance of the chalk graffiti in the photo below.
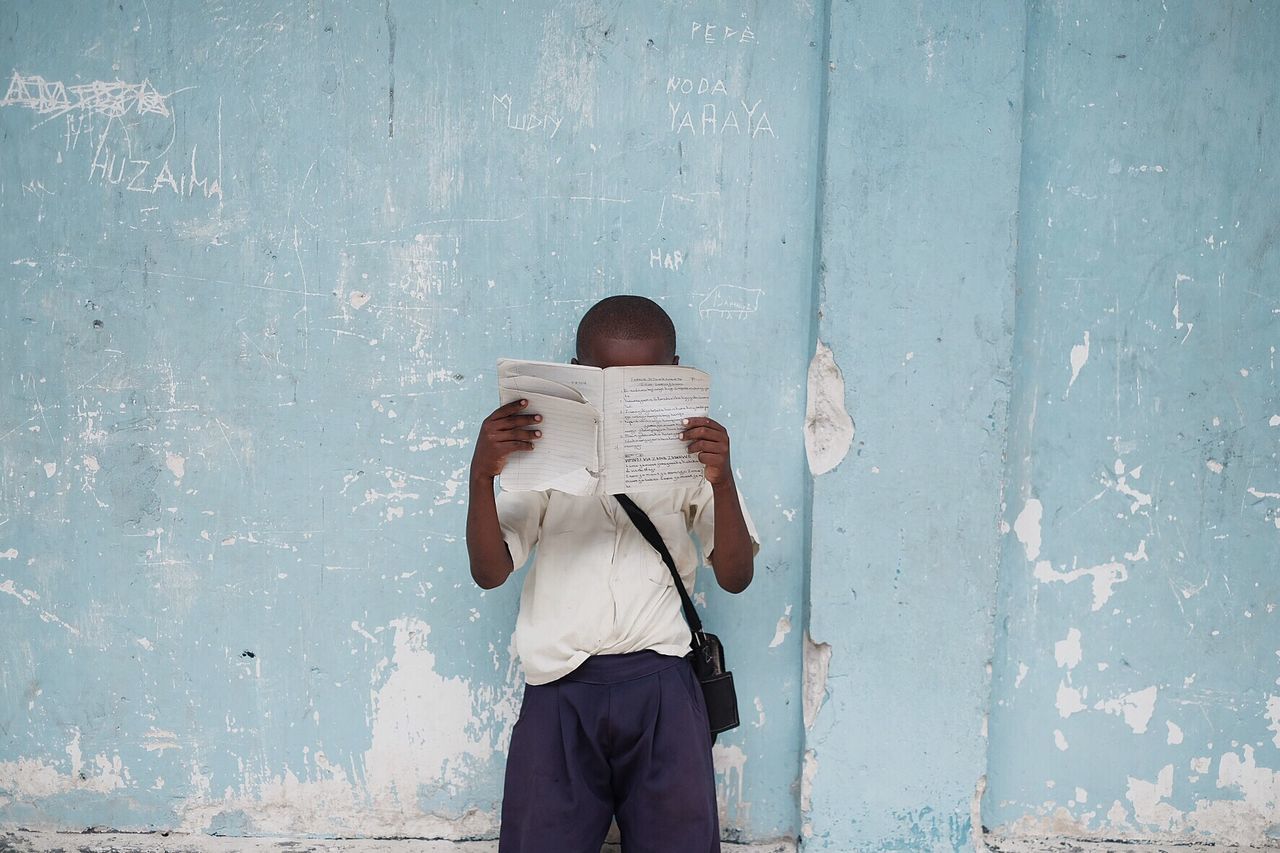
(729, 300)
(659, 259)
(106, 115)
(114, 98)
(708, 33)
(714, 121)
(528, 122)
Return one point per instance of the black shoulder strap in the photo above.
(654, 538)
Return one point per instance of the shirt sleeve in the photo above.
(520, 517)
(702, 507)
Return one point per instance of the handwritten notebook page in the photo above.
(644, 409)
(566, 457)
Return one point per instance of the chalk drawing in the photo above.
(528, 122)
(114, 99)
(729, 300)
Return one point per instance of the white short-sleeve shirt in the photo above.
(596, 586)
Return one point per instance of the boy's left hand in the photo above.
(710, 441)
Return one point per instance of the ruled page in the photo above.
(566, 457)
(643, 414)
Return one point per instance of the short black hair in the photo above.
(626, 318)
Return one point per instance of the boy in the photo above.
(613, 721)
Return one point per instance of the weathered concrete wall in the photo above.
(1136, 689)
(252, 297)
(916, 306)
(1002, 395)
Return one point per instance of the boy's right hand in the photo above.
(504, 432)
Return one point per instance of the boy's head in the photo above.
(626, 331)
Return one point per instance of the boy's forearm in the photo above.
(731, 559)
(490, 559)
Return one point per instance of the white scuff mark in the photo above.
(1069, 700)
(828, 429)
(1079, 355)
(1105, 577)
(1022, 673)
(759, 703)
(176, 464)
(8, 586)
(730, 763)
(1249, 818)
(1140, 554)
(10, 554)
(1136, 708)
(1082, 796)
(91, 464)
(410, 751)
(158, 740)
(1273, 717)
(1259, 494)
(783, 628)
(1147, 797)
(808, 773)
(145, 643)
(975, 816)
(28, 780)
(1175, 733)
(451, 486)
(1177, 307)
(817, 660)
(1027, 527)
(1274, 421)
(357, 299)
(1213, 465)
(50, 468)
(1067, 652)
(359, 629)
(1060, 740)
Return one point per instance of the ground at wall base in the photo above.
(117, 842)
(126, 842)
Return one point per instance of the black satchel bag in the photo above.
(706, 653)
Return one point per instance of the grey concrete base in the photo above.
(1046, 844)
(19, 841)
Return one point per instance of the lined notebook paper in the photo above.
(604, 431)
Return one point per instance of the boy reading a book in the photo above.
(613, 722)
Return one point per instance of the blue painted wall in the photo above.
(235, 417)
(1003, 273)
(916, 304)
(1136, 673)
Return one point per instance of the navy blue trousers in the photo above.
(622, 736)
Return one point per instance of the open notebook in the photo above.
(604, 431)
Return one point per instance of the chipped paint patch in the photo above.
(783, 628)
(817, 660)
(1068, 652)
(730, 764)
(1136, 708)
(1079, 355)
(1105, 577)
(828, 429)
(1027, 527)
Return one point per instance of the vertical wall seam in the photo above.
(998, 647)
(815, 313)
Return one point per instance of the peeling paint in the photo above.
(817, 660)
(828, 428)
